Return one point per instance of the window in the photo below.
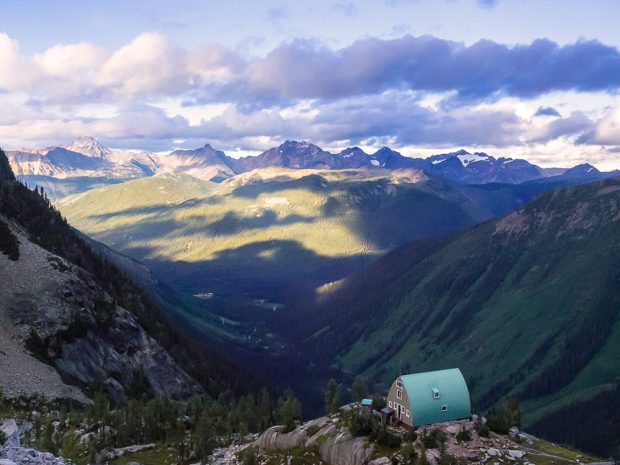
(444, 408)
(390, 404)
(408, 413)
(436, 393)
(399, 384)
(402, 409)
(399, 394)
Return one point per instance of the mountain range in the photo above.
(85, 163)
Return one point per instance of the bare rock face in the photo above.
(344, 449)
(12, 454)
(52, 311)
(273, 438)
(11, 431)
(336, 446)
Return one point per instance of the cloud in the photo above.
(488, 3)
(307, 69)
(348, 10)
(151, 66)
(547, 111)
(606, 131)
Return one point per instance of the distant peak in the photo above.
(295, 143)
(88, 146)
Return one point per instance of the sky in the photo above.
(534, 79)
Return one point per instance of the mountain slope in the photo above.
(64, 305)
(275, 233)
(527, 305)
(85, 164)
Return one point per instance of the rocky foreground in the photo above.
(11, 452)
(327, 441)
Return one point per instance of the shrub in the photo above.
(435, 439)
(385, 438)
(312, 430)
(482, 429)
(9, 244)
(410, 436)
(409, 455)
(463, 435)
(249, 456)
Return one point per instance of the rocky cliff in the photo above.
(61, 332)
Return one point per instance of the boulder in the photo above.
(7, 462)
(516, 454)
(432, 456)
(10, 429)
(493, 452)
(344, 449)
(380, 461)
(273, 438)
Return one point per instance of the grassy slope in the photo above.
(274, 228)
(526, 306)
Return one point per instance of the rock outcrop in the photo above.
(335, 445)
(12, 454)
(344, 449)
(54, 314)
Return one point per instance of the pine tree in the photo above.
(359, 389)
(332, 398)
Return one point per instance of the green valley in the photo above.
(527, 305)
(274, 234)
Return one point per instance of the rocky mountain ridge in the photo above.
(85, 163)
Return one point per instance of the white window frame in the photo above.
(402, 409)
(436, 393)
(399, 394)
(399, 384)
(390, 404)
(408, 413)
(444, 408)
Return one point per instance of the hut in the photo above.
(432, 397)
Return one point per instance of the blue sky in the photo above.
(536, 79)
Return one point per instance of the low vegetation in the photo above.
(186, 431)
(9, 244)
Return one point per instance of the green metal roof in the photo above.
(437, 396)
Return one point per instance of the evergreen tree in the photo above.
(289, 411)
(359, 389)
(332, 398)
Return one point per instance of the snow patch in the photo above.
(374, 162)
(471, 158)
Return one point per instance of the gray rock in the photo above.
(380, 461)
(273, 438)
(10, 429)
(516, 454)
(344, 449)
(493, 452)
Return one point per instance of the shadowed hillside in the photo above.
(527, 305)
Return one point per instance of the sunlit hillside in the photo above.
(302, 227)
